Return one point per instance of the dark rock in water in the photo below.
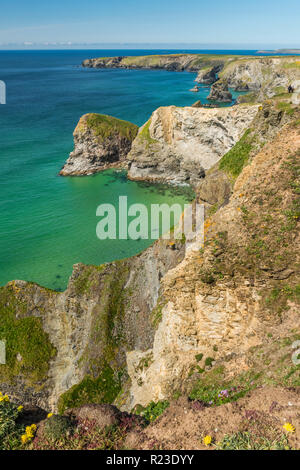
(197, 104)
(220, 92)
(195, 89)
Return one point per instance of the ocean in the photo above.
(48, 222)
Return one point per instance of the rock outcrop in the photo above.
(177, 145)
(172, 62)
(99, 141)
(208, 75)
(226, 297)
(219, 92)
(267, 76)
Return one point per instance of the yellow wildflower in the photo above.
(4, 398)
(30, 430)
(20, 408)
(289, 427)
(24, 438)
(207, 440)
(49, 415)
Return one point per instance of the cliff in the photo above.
(99, 142)
(177, 323)
(178, 145)
(265, 76)
(173, 62)
(143, 328)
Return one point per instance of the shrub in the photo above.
(154, 410)
(57, 427)
(10, 431)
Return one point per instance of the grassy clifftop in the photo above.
(104, 126)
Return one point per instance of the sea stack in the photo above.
(99, 142)
(219, 92)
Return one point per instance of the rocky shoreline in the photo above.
(263, 76)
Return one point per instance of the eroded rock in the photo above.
(99, 142)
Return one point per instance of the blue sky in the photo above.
(258, 23)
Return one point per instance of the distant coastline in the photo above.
(280, 51)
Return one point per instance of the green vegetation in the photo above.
(103, 389)
(101, 354)
(86, 436)
(211, 391)
(28, 349)
(145, 134)
(198, 357)
(57, 427)
(286, 106)
(254, 441)
(152, 411)
(208, 361)
(103, 126)
(10, 430)
(234, 161)
(292, 65)
(271, 364)
(156, 314)
(85, 281)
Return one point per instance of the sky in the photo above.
(255, 23)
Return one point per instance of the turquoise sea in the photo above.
(48, 222)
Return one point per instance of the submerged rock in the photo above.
(99, 142)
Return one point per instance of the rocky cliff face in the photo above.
(143, 328)
(228, 296)
(173, 62)
(220, 92)
(75, 352)
(177, 145)
(99, 141)
(265, 76)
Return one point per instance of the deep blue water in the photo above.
(48, 222)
